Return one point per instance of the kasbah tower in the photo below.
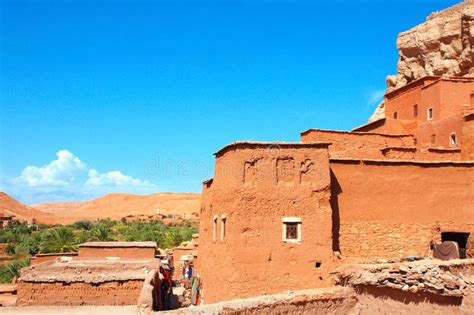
(282, 216)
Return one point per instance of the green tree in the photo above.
(84, 225)
(59, 240)
(175, 236)
(102, 233)
(11, 270)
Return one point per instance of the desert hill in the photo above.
(10, 206)
(118, 205)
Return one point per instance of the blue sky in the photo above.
(135, 96)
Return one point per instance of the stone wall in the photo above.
(58, 293)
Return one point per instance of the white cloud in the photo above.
(114, 178)
(375, 97)
(69, 179)
(60, 172)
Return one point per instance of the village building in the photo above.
(282, 216)
(101, 273)
(5, 220)
(276, 215)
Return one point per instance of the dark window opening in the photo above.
(458, 237)
(395, 115)
(317, 264)
(291, 231)
(452, 139)
(415, 110)
(430, 113)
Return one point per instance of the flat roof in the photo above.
(118, 244)
(358, 133)
(271, 145)
(89, 271)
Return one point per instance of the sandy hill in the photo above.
(117, 206)
(10, 206)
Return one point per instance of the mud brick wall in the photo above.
(385, 210)
(255, 187)
(357, 145)
(124, 253)
(107, 293)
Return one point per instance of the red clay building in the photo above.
(277, 216)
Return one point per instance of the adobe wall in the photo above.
(403, 100)
(332, 300)
(356, 144)
(394, 209)
(178, 252)
(58, 293)
(446, 96)
(255, 186)
(123, 253)
(468, 138)
(442, 129)
(41, 258)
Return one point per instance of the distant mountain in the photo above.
(10, 206)
(118, 205)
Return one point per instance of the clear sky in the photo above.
(135, 96)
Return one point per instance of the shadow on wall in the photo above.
(335, 191)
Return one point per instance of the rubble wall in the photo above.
(58, 293)
(255, 187)
(394, 209)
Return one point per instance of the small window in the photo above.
(214, 228)
(415, 110)
(395, 115)
(223, 221)
(430, 113)
(291, 230)
(453, 140)
(433, 139)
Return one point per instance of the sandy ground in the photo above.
(70, 310)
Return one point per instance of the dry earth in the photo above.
(117, 206)
(114, 206)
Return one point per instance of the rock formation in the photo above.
(441, 46)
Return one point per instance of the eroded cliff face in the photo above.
(443, 45)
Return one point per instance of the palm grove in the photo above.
(24, 241)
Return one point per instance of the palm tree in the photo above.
(12, 270)
(59, 240)
(102, 233)
(176, 237)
